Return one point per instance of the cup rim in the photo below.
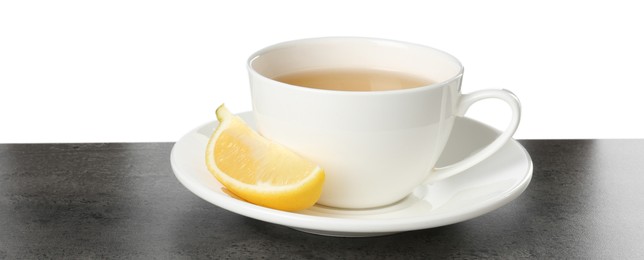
(256, 54)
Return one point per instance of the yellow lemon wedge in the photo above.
(258, 170)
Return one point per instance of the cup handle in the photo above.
(464, 104)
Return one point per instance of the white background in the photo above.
(128, 71)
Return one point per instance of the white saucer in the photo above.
(479, 190)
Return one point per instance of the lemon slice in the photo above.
(258, 170)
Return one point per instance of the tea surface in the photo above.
(354, 79)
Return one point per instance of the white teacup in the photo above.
(375, 146)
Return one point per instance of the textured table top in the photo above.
(121, 200)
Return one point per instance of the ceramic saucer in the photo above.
(483, 188)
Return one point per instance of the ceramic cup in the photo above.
(376, 147)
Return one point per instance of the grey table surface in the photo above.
(121, 200)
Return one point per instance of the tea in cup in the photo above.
(374, 113)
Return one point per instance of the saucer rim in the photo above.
(326, 225)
